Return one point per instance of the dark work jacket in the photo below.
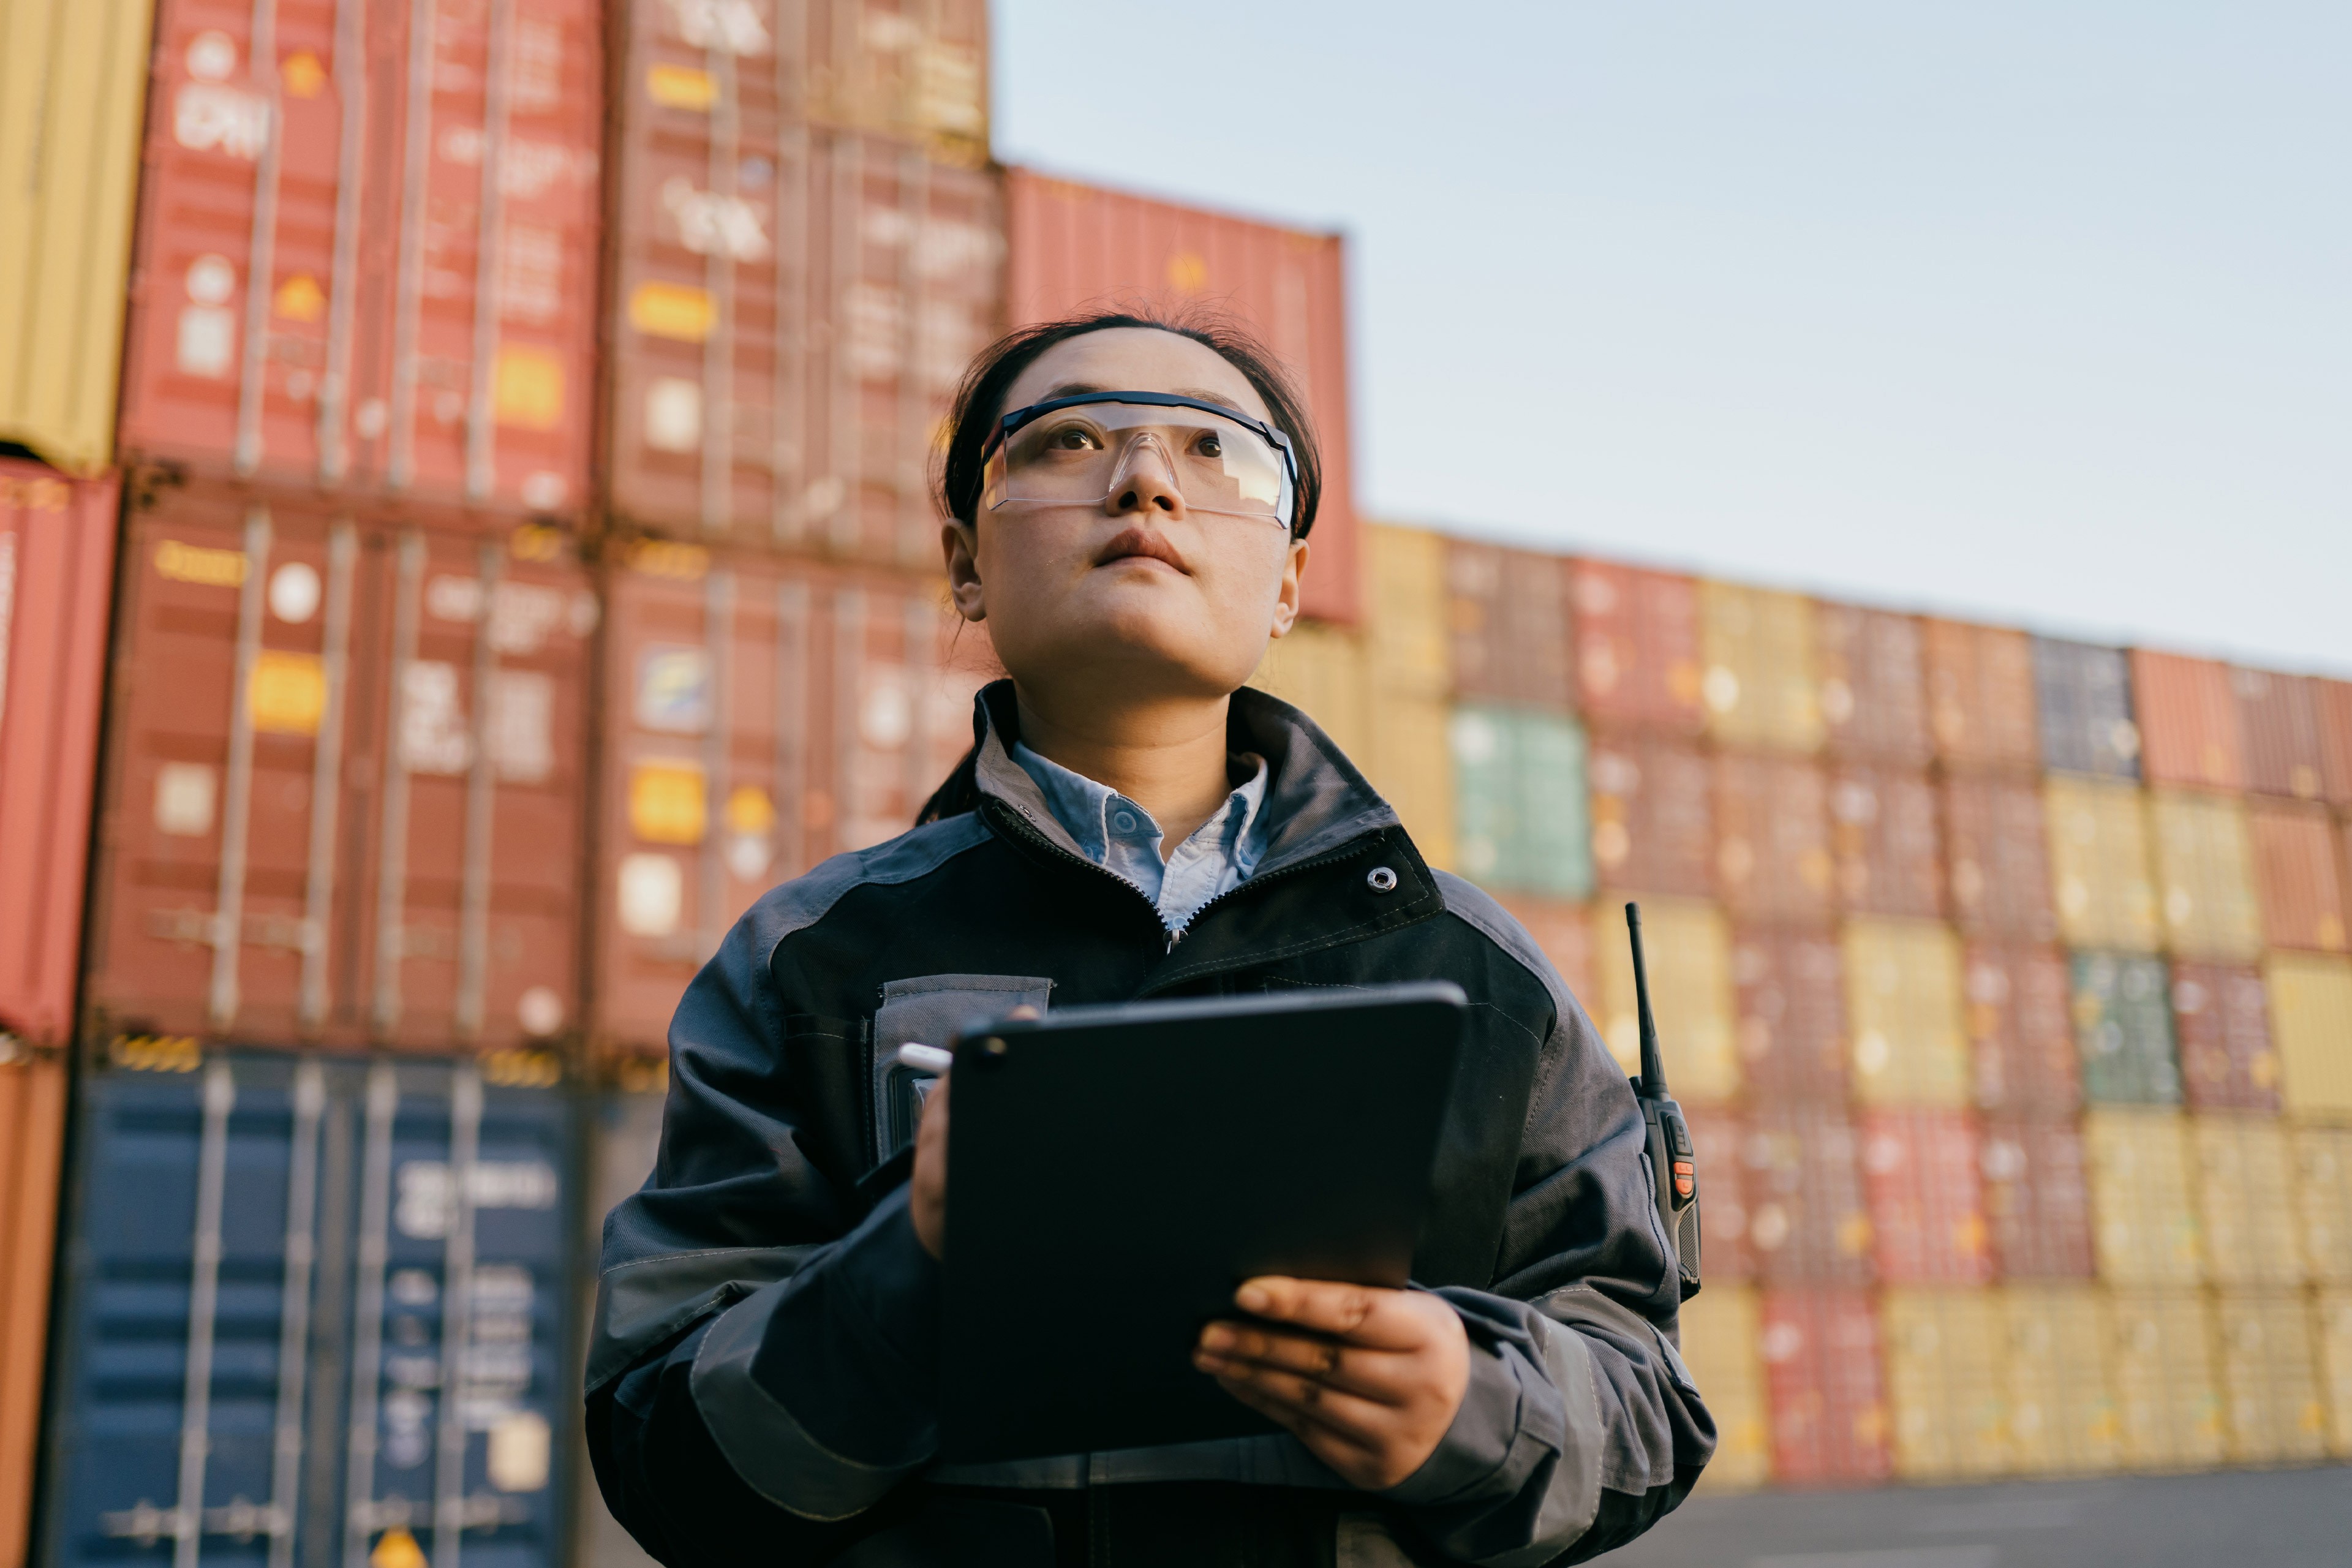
(763, 1376)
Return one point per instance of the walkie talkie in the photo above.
(1672, 1158)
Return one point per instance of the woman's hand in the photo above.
(1368, 1379)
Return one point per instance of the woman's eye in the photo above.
(1071, 438)
(1210, 445)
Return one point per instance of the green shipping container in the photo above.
(1520, 809)
(2123, 1029)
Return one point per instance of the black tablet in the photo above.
(1115, 1173)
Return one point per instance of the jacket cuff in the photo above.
(1478, 1444)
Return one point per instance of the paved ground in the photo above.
(2270, 1519)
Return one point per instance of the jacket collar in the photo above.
(1315, 800)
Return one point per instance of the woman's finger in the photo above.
(1361, 1420)
(1361, 1314)
(1380, 1375)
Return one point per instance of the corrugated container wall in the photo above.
(1883, 831)
(2205, 875)
(2062, 1407)
(2143, 1195)
(2331, 1329)
(57, 589)
(2311, 1024)
(1997, 855)
(1944, 1359)
(31, 1141)
(1719, 1137)
(1980, 705)
(2298, 876)
(1719, 1334)
(1790, 993)
(2167, 1396)
(1519, 801)
(2279, 716)
(1903, 1012)
(914, 69)
(1407, 626)
(73, 77)
(1808, 1222)
(2323, 1186)
(2220, 1022)
(1919, 1175)
(1508, 613)
(2334, 701)
(1687, 947)
(621, 1126)
(2188, 716)
(324, 1304)
(1760, 685)
(1828, 1395)
(1412, 765)
(1874, 684)
(346, 778)
(763, 715)
(2123, 1029)
(2245, 1194)
(1072, 247)
(2100, 873)
(2037, 1200)
(2084, 695)
(368, 249)
(2021, 1026)
(1653, 813)
(1772, 840)
(2269, 1377)
(1320, 669)
(795, 304)
(1564, 931)
(1637, 645)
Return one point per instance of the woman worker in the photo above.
(1129, 504)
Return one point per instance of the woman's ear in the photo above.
(960, 545)
(1285, 604)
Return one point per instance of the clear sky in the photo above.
(2038, 312)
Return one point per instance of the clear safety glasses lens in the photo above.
(1081, 455)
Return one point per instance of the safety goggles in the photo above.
(1079, 451)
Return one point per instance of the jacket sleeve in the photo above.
(765, 1355)
(1581, 1426)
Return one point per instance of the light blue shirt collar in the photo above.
(1120, 836)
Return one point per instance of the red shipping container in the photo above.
(794, 306)
(32, 1146)
(1919, 1175)
(1509, 610)
(2021, 1032)
(1790, 991)
(1073, 247)
(1807, 1221)
(1981, 704)
(1874, 684)
(1652, 814)
(343, 282)
(1883, 831)
(2037, 1200)
(345, 781)
(2298, 877)
(765, 714)
(2334, 701)
(1772, 840)
(1564, 933)
(1716, 1134)
(1825, 1386)
(2187, 715)
(2000, 857)
(57, 585)
(1637, 656)
(2279, 715)
(2221, 1022)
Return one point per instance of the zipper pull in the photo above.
(1176, 936)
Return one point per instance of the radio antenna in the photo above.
(1653, 1068)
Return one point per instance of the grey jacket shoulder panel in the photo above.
(1477, 909)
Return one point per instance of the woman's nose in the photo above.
(1144, 481)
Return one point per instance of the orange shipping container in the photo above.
(2220, 1020)
(1800, 1176)
(56, 583)
(1719, 1137)
(2279, 715)
(1883, 830)
(1653, 813)
(1980, 704)
(2333, 698)
(2021, 1032)
(2037, 1200)
(1072, 247)
(1772, 840)
(345, 781)
(368, 247)
(1873, 685)
(2299, 877)
(1999, 857)
(763, 715)
(1790, 991)
(32, 1144)
(1637, 653)
(2188, 713)
(1826, 1387)
(1509, 619)
(1926, 1219)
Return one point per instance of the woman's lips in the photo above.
(1133, 542)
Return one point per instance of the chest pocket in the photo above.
(929, 1009)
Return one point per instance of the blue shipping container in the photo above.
(2084, 695)
(315, 1313)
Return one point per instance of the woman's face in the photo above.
(1132, 596)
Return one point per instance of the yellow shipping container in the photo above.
(2204, 868)
(2323, 1192)
(2166, 1394)
(2057, 1380)
(2272, 1402)
(1320, 669)
(1904, 1014)
(1944, 1357)
(2245, 1197)
(1687, 945)
(1718, 1345)
(2099, 868)
(1760, 688)
(1406, 630)
(2311, 1024)
(73, 92)
(2331, 1332)
(1410, 762)
(2141, 1196)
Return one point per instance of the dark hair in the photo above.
(979, 404)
